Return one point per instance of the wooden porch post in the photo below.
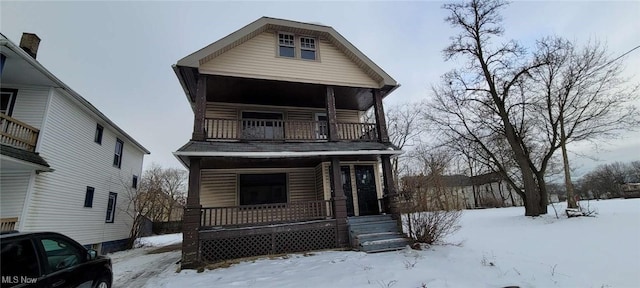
(339, 203)
(332, 125)
(191, 220)
(200, 111)
(390, 191)
(381, 122)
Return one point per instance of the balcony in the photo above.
(17, 134)
(285, 130)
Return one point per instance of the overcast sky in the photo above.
(118, 55)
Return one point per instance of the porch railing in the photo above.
(273, 129)
(8, 224)
(266, 213)
(17, 134)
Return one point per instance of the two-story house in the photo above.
(280, 159)
(64, 166)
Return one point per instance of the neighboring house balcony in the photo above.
(17, 134)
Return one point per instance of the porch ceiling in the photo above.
(282, 93)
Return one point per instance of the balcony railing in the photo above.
(8, 224)
(266, 213)
(17, 134)
(271, 129)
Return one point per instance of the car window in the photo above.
(19, 261)
(61, 253)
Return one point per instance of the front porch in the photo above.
(269, 206)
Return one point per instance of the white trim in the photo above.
(27, 201)
(45, 118)
(285, 154)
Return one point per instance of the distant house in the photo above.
(460, 191)
(280, 158)
(64, 166)
(630, 190)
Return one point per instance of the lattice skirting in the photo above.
(220, 245)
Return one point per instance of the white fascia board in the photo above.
(285, 154)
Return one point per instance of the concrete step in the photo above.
(374, 227)
(384, 245)
(379, 236)
(371, 218)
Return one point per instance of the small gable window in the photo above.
(308, 48)
(286, 45)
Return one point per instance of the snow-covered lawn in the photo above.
(498, 248)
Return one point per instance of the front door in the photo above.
(367, 196)
(345, 174)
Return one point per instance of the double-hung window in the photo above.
(308, 48)
(286, 45)
(117, 156)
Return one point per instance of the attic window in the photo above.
(308, 48)
(286, 45)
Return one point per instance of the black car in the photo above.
(51, 260)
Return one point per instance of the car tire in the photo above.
(101, 283)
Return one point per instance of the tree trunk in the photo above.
(571, 200)
(544, 196)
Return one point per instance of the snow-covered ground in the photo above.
(159, 240)
(497, 248)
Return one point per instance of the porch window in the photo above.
(286, 45)
(258, 189)
(262, 125)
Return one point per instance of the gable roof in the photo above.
(263, 24)
(74, 96)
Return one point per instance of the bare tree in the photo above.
(483, 104)
(165, 188)
(404, 127)
(135, 205)
(432, 210)
(582, 96)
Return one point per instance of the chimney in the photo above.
(29, 43)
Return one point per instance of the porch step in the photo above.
(374, 227)
(385, 245)
(377, 233)
(363, 238)
(371, 218)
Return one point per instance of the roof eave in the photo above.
(34, 63)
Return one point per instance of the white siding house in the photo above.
(67, 180)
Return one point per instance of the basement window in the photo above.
(258, 189)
